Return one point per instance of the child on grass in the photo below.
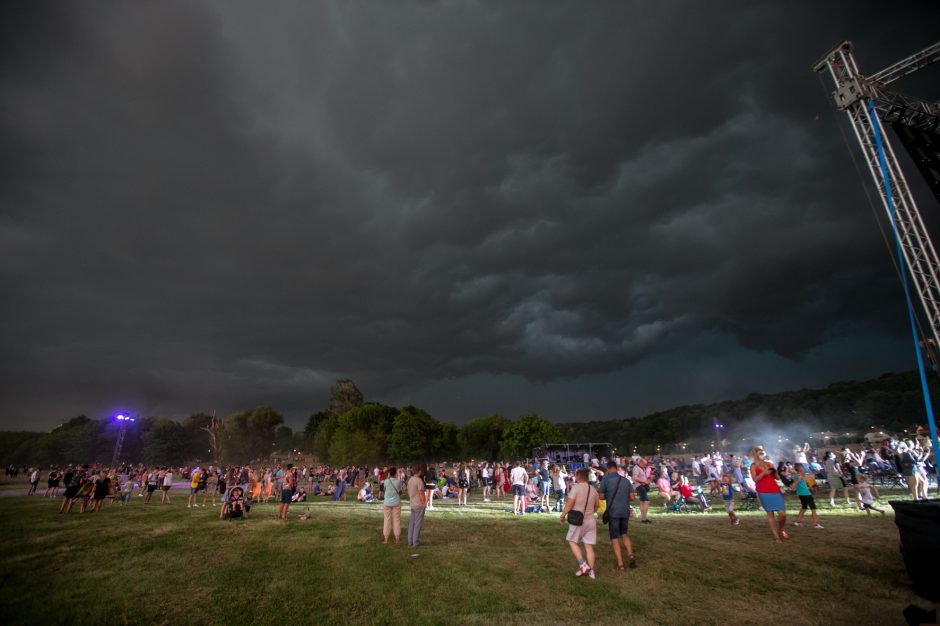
(801, 487)
(863, 489)
(727, 494)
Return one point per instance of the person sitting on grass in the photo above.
(365, 494)
(300, 496)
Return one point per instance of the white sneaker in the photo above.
(591, 574)
(796, 523)
(818, 526)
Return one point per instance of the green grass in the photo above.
(165, 564)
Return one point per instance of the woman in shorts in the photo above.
(500, 478)
(463, 485)
(212, 487)
(768, 492)
(582, 498)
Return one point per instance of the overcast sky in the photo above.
(586, 209)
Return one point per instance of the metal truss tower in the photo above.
(865, 100)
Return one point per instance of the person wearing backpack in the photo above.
(391, 505)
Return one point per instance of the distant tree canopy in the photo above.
(367, 433)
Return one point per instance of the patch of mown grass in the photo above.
(165, 564)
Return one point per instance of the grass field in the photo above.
(172, 565)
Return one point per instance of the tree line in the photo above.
(349, 431)
(352, 431)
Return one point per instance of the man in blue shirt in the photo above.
(616, 490)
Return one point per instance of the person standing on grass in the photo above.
(72, 480)
(53, 483)
(801, 487)
(500, 478)
(167, 484)
(194, 480)
(641, 483)
(416, 500)
(430, 484)
(519, 477)
(212, 487)
(102, 487)
(582, 498)
(463, 484)
(727, 494)
(486, 475)
(288, 485)
(768, 492)
(835, 479)
(127, 489)
(617, 491)
(545, 482)
(391, 505)
(864, 495)
(33, 481)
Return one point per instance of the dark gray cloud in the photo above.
(476, 206)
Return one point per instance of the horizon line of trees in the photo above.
(351, 431)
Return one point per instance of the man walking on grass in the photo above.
(642, 485)
(617, 491)
(519, 478)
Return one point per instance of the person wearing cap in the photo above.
(194, 479)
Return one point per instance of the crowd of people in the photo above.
(616, 489)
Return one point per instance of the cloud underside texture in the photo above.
(209, 205)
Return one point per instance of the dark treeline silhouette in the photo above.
(351, 431)
(892, 401)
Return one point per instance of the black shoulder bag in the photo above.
(606, 516)
(576, 518)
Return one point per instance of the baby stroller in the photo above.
(750, 501)
(679, 506)
(236, 504)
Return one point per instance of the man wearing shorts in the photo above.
(288, 485)
(519, 478)
(194, 479)
(545, 481)
(642, 485)
(616, 490)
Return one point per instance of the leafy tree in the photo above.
(165, 443)
(344, 395)
(416, 436)
(313, 424)
(527, 432)
(361, 435)
(321, 442)
(251, 434)
(480, 438)
(284, 438)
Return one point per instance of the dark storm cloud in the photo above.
(217, 205)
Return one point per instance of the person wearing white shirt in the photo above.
(518, 477)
